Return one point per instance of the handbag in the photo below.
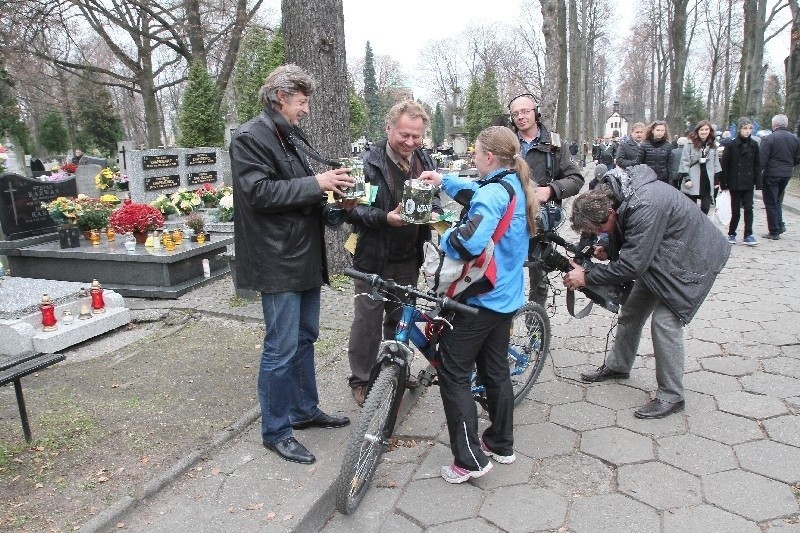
(723, 208)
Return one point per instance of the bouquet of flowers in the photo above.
(163, 204)
(225, 209)
(110, 199)
(133, 217)
(208, 194)
(94, 213)
(185, 201)
(63, 210)
(224, 190)
(105, 179)
(3, 158)
(69, 168)
(120, 181)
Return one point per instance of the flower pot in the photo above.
(140, 236)
(87, 234)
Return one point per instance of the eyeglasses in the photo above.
(519, 112)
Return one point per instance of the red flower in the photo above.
(132, 217)
(69, 168)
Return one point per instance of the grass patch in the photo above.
(235, 301)
(339, 281)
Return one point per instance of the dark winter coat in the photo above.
(741, 166)
(607, 154)
(369, 221)
(666, 243)
(658, 156)
(780, 152)
(565, 179)
(278, 210)
(628, 153)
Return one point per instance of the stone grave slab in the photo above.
(143, 273)
(84, 177)
(21, 199)
(21, 320)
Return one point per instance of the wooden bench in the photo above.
(14, 368)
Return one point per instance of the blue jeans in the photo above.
(287, 384)
(772, 193)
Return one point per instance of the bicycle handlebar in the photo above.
(380, 283)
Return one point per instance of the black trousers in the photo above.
(741, 200)
(480, 340)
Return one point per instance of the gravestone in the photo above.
(84, 177)
(124, 149)
(21, 212)
(152, 173)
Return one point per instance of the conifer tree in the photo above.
(438, 126)
(199, 119)
(100, 125)
(259, 55)
(53, 133)
(375, 124)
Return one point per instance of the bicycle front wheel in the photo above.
(528, 347)
(369, 440)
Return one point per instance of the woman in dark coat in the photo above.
(740, 175)
(656, 151)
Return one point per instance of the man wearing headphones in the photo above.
(672, 250)
(554, 172)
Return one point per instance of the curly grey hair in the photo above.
(288, 78)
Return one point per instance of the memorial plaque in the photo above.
(155, 183)
(151, 162)
(69, 237)
(21, 199)
(197, 178)
(202, 158)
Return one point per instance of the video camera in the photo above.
(549, 259)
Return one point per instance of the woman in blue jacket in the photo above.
(483, 339)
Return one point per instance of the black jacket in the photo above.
(780, 152)
(627, 153)
(369, 221)
(607, 154)
(278, 210)
(741, 166)
(564, 176)
(658, 156)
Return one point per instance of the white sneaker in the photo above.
(502, 459)
(456, 474)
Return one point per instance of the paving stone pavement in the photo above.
(729, 462)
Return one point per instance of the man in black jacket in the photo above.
(553, 171)
(779, 153)
(278, 218)
(386, 244)
(628, 151)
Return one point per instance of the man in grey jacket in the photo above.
(779, 153)
(673, 252)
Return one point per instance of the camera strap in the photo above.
(571, 305)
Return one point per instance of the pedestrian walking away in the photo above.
(779, 154)
(671, 250)
(279, 220)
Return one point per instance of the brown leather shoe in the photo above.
(359, 393)
(603, 373)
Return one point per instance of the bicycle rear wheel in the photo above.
(368, 441)
(528, 347)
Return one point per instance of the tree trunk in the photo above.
(745, 64)
(553, 47)
(560, 122)
(576, 51)
(67, 107)
(313, 36)
(677, 33)
(793, 66)
(757, 69)
(726, 111)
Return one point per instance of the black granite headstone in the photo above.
(21, 199)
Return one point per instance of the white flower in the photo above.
(226, 201)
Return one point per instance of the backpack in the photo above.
(459, 279)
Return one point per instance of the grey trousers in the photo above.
(375, 320)
(666, 330)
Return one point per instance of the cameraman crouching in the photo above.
(672, 250)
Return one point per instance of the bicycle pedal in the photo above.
(426, 378)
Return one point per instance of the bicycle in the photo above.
(527, 351)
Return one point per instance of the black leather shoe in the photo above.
(659, 409)
(291, 450)
(412, 383)
(603, 373)
(772, 236)
(323, 421)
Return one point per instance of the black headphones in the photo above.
(537, 110)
